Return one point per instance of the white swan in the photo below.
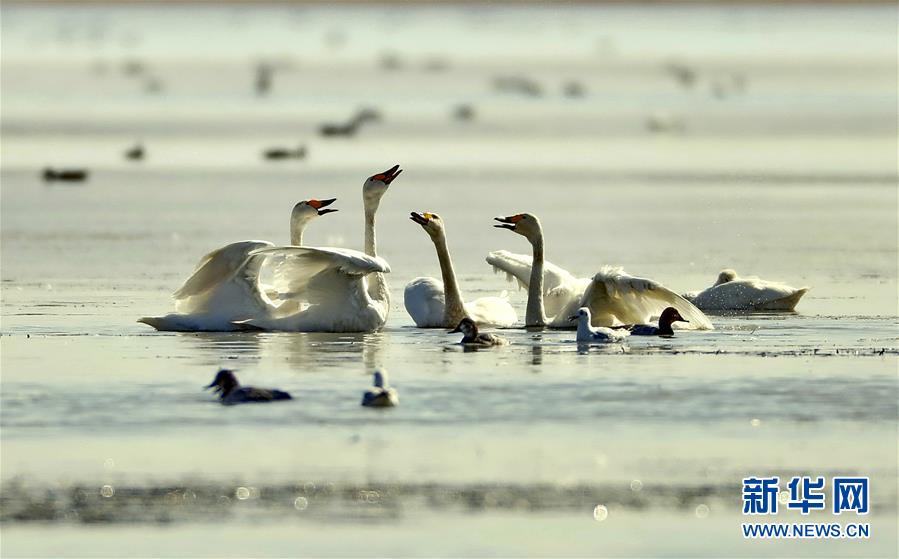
(438, 304)
(338, 290)
(733, 293)
(597, 335)
(612, 296)
(225, 285)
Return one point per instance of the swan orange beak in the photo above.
(389, 175)
(508, 222)
(319, 204)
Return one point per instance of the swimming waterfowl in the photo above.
(612, 296)
(380, 395)
(599, 335)
(135, 153)
(263, 78)
(733, 293)
(352, 126)
(469, 329)
(438, 304)
(668, 317)
(338, 290)
(463, 112)
(230, 391)
(69, 175)
(284, 153)
(225, 284)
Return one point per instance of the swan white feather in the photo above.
(425, 302)
(612, 296)
(733, 293)
(560, 288)
(225, 285)
(333, 289)
(328, 287)
(438, 304)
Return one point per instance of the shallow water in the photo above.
(792, 177)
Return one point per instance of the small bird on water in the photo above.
(669, 316)
(230, 391)
(469, 329)
(71, 175)
(284, 153)
(588, 334)
(380, 395)
(135, 153)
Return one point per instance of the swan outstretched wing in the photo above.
(302, 269)
(615, 297)
(560, 289)
(219, 266)
(519, 266)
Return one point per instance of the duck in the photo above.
(613, 296)
(68, 175)
(595, 335)
(380, 395)
(471, 336)
(230, 392)
(438, 304)
(352, 126)
(225, 286)
(667, 318)
(135, 153)
(275, 154)
(733, 293)
(337, 289)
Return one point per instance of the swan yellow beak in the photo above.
(421, 218)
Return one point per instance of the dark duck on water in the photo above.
(669, 316)
(230, 391)
(471, 335)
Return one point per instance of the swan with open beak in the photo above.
(319, 204)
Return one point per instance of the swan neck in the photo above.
(297, 227)
(370, 240)
(454, 308)
(534, 314)
(377, 284)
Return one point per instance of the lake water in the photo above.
(779, 159)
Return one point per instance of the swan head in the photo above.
(430, 222)
(380, 380)
(466, 326)
(526, 225)
(376, 185)
(725, 276)
(582, 313)
(224, 382)
(304, 212)
(669, 316)
(314, 208)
